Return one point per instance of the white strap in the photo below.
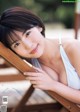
(60, 43)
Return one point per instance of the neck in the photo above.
(49, 51)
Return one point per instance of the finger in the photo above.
(37, 69)
(33, 82)
(32, 78)
(30, 74)
(36, 86)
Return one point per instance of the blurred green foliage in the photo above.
(49, 10)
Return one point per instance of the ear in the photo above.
(39, 28)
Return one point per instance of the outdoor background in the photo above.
(57, 16)
(51, 11)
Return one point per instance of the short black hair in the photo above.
(20, 19)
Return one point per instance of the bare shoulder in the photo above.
(72, 49)
(50, 72)
(71, 46)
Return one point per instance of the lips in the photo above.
(34, 50)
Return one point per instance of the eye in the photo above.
(16, 44)
(27, 33)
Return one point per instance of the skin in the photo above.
(53, 75)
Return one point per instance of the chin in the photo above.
(37, 55)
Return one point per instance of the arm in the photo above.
(43, 81)
(66, 92)
(61, 89)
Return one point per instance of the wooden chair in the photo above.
(22, 67)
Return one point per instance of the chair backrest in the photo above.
(17, 62)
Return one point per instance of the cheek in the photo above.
(36, 37)
(39, 40)
(21, 51)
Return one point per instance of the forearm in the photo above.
(66, 92)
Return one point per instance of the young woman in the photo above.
(57, 61)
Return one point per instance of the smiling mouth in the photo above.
(34, 50)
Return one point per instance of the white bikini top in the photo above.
(72, 76)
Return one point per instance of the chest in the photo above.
(59, 68)
(57, 65)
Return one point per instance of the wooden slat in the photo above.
(54, 107)
(11, 77)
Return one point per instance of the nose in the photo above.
(27, 43)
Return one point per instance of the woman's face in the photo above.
(29, 44)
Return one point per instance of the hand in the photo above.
(40, 79)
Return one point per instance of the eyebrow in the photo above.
(24, 32)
